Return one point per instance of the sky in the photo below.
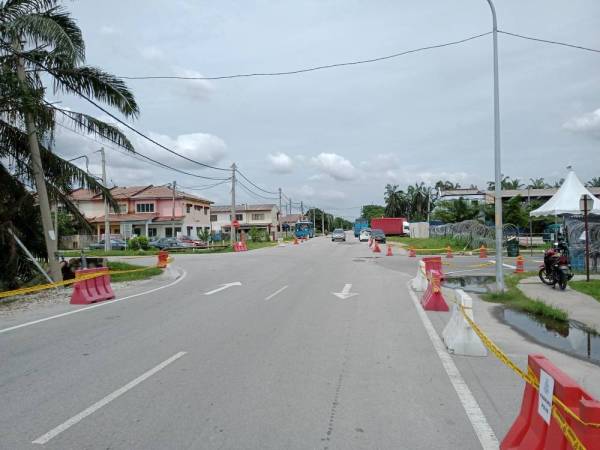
(334, 138)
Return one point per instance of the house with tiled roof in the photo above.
(152, 211)
(260, 216)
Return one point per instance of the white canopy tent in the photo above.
(566, 199)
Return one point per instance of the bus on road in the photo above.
(304, 229)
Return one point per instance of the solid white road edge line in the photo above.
(482, 428)
(106, 400)
(97, 305)
(279, 291)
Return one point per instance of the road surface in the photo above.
(314, 346)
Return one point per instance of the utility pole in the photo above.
(279, 215)
(497, 159)
(290, 206)
(314, 219)
(174, 186)
(302, 208)
(323, 222)
(233, 233)
(38, 174)
(107, 244)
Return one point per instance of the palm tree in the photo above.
(537, 183)
(393, 200)
(39, 40)
(594, 182)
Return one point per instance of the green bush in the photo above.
(255, 234)
(143, 242)
(134, 243)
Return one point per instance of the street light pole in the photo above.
(497, 160)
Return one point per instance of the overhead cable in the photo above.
(547, 41)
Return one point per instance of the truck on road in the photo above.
(389, 225)
(360, 224)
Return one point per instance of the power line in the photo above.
(255, 193)
(146, 158)
(547, 41)
(255, 185)
(203, 188)
(310, 69)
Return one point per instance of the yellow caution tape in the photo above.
(42, 287)
(531, 379)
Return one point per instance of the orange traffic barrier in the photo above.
(411, 252)
(92, 290)
(163, 259)
(520, 264)
(433, 299)
(559, 429)
(449, 252)
(482, 252)
(376, 248)
(389, 250)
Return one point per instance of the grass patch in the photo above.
(514, 298)
(591, 288)
(428, 243)
(131, 276)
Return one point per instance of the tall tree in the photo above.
(594, 182)
(39, 41)
(370, 211)
(537, 183)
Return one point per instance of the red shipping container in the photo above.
(389, 225)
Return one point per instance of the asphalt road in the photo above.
(275, 362)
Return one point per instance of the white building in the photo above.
(263, 216)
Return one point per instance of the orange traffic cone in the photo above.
(520, 265)
(482, 252)
(376, 248)
(411, 252)
(449, 252)
(389, 251)
(295, 240)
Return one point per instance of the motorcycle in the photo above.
(556, 268)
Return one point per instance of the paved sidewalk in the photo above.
(579, 306)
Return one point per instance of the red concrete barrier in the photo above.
(433, 263)
(433, 299)
(163, 259)
(92, 290)
(530, 430)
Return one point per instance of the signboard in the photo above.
(545, 396)
(235, 223)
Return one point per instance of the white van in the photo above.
(406, 228)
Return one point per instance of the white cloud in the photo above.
(280, 162)
(195, 89)
(334, 165)
(585, 123)
(381, 162)
(152, 53)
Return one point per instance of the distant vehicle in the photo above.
(166, 243)
(406, 228)
(359, 225)
(188, 240)
(378, 235)
(304, 229)
(115, 244)
(389, 225)
(338, 235)
(365, 234)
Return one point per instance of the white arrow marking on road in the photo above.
(223, 287)
(345, 292)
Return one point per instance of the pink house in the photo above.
(149, 210)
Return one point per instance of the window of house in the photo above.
(258, 216)
(122, 209)
(188, 208)
(190, 230)
(206, 209)
(213, 217)
(152, 232)
(168, 232)
(197, 208)
(177, 230)
(144, 207)
(239, 217)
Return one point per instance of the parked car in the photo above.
(115, 244)
(365, 234)
(338, 235)
(378, 235)
(191, 242)
(166, 243)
